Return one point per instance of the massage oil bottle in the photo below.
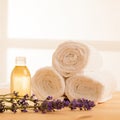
(20, 77)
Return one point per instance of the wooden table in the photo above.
(109, 110)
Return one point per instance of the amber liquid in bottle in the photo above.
(20, 78)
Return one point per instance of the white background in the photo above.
(34, 28)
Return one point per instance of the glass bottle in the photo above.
(20, 77)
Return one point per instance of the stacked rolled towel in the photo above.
(72, 57)
(70, 61)
(96, 86)
(47, 82)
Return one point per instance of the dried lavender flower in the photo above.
(26, 103)
(15, 94)
(2, 107)
(49, 98)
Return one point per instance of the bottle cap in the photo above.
(20, 61)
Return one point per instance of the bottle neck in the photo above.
(20, 61)
(20, 65)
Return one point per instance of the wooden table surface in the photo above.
(109, 110)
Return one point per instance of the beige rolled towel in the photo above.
(96, 86)
(72, 57)
(47, 82)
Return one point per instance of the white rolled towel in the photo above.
(96, 86)
(72, 57)
(47, 82)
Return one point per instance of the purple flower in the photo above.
(25, 104)
(24, 110)
(66, 103)
(91, 103)
(49, 106)
(2, 107)
(15, 94)
(49, 98)
(32, 96)
(14, 107)
(36, 109)
(59, 104)
(21, 101)
(74, 104)
(35, 100)
(26, 96)
(85, 104)
(43, 106)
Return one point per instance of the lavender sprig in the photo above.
(26, 103)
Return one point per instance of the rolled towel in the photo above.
(47, 82)
(96, 86)
(72, 57)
